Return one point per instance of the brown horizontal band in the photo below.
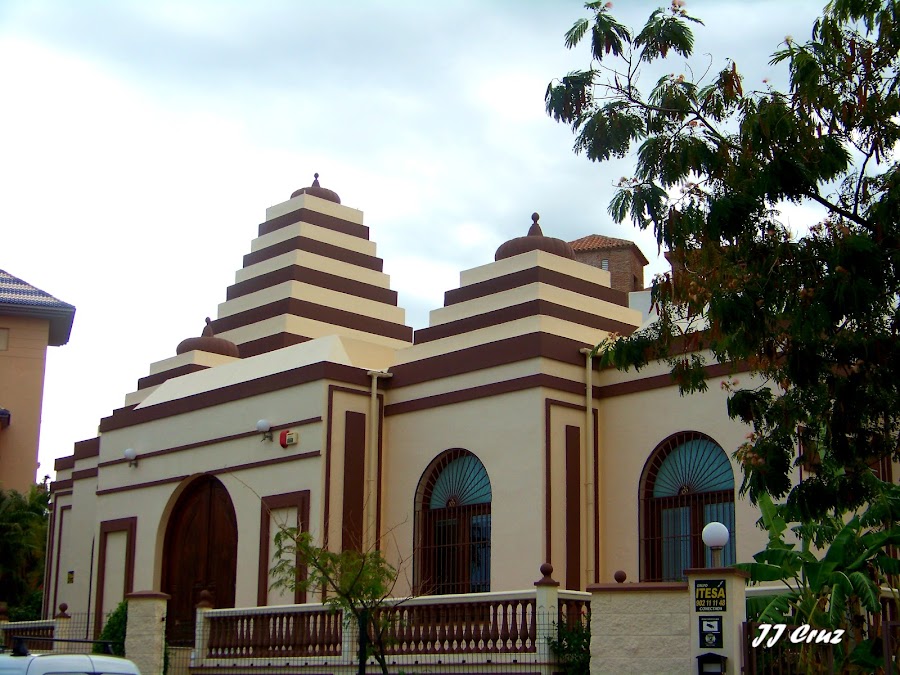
(308, 275)
(64, 463)
(270, 343)
(317, 247)
(311, 310)
(314, 218)
(159, 378)
(85, 473)
(535, 275)
(212, 441)
(664, 380)
(87, 448)
(59, 493)
(57, 485)
(490, 355)
(485, 391)
(211, 472)
(236, 392)
(521, 311)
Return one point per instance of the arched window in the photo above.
(453, 526)
(688, 482)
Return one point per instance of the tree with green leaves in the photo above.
(812, 313)
(835, 590)
(355, 582)
(23, 539)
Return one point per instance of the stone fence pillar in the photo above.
(718, 608)
(63, 630)
(547, 612)
(145, 637)
(640, 628)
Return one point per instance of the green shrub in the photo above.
(572, 647)
(114, 631)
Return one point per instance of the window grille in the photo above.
(453, 526)
(688, 482)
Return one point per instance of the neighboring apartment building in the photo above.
(30, 321)
(466, 448)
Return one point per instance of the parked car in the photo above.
(66, 664)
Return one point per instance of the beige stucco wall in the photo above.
(631, 427)
(21, 392)
(506, 435)
(641, 631)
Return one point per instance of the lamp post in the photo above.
(715, 535)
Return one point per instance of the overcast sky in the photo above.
(141, 142)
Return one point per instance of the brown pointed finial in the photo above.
(316, 180)
(535, 229)
(208, 330)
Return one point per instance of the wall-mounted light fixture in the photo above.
(131, 455)
(265, 427)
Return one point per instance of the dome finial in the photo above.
(317, 190)
(535, 229)
(534, 241)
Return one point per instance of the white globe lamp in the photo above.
(715, 535)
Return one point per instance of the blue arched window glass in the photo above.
(453, 526)
(688, 482)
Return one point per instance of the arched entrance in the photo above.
(200, 553)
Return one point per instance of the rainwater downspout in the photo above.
(370, 540)
(590, 511)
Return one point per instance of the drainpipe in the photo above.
(370, 541)
(589, 461)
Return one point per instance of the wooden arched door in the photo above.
(200, 553)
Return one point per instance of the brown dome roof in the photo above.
(208, 342)
(317, 190)
(534, 241)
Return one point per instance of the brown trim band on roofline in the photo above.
(315, 277)
(64, 463)
(159, 378)
(213, 441)
(270, 343)
(210, 472)
(664, 380)
(485, 391)
(523, 310)
(85, 473)
(533, 275)
(87, 448)
(311, 310)
(489, 355)
(58, 485)
(316, 247)
(304, 215)
(262, 385)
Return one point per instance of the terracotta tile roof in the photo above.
(19, 298)
(599, 242)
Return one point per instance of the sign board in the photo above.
(710, 632)
(709, 595)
